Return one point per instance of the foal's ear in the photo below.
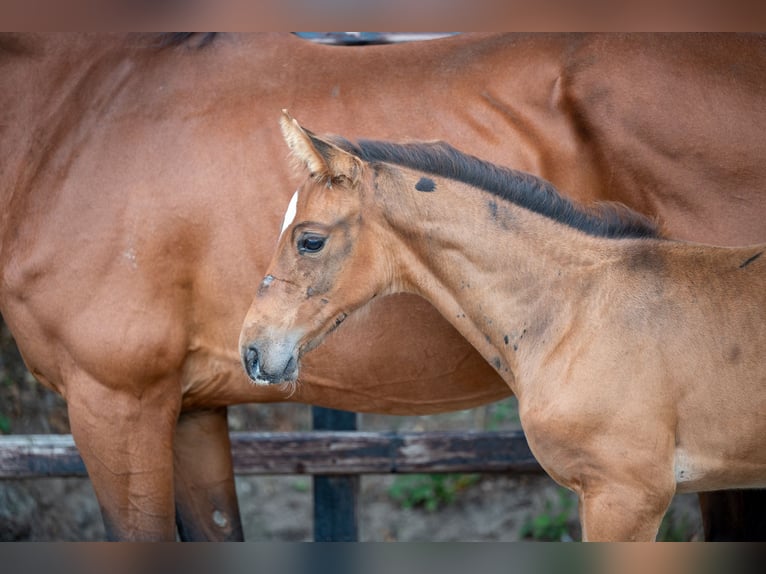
(320, 156)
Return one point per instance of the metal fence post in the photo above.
(335, 496)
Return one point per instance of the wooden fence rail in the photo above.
(334, 457)
(313, 453)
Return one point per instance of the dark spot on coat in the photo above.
(734, 353)
(643, 259)
(496, 362)
(425, 184)
(338, 320)
(506, 339)
(749, 260)
(492, 208)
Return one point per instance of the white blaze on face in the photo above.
(290, 213)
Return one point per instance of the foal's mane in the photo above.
(606, 219)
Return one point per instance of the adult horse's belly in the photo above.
(399, 356)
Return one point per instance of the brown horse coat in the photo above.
(637, 361)
(141, 192)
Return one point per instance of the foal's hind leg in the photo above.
(619, 513)
(206, 500)
(125, 437)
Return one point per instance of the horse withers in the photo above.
(636, 360)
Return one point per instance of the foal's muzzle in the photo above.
(274, 369)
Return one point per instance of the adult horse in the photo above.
(141, 193)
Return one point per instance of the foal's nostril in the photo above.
(251, 362)
(290, 368)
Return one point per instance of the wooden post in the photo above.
(335, 495)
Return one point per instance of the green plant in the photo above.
(674, 528)
(502, 413)
(5, 424)
(301, 484)
(553, 523)
(430, 491)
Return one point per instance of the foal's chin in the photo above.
(262, 382)
(288, 385)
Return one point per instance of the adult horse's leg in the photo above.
(126, 441)
(206, 500)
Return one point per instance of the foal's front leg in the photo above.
(615, 512)
(621, 470)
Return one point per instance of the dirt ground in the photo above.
(279, 508)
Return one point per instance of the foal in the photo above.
(637, 361)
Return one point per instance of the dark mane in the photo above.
(605, 220)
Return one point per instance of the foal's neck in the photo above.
(502, 275)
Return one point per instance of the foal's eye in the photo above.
(311, 243)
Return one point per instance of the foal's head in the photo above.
(327, 261)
